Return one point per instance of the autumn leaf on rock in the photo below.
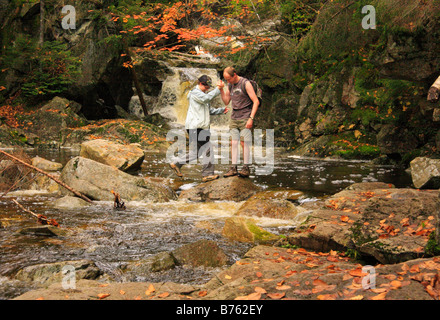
(276, 296)
(252, 296)
(260, 290)
(150, 290)
(103, 295)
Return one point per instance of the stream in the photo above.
(113, 238)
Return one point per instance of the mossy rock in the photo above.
(245, 230)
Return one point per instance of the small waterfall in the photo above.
(173, 103)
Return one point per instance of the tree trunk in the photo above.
(41, 40)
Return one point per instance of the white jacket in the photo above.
(199, 110)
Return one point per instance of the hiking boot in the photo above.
(176, 169)
(232, 172)
(244, 172)
(210, 178)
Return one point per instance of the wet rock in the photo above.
(69, 202)
(271, 208)
(160, 262)
(367, 186)
(45, 164)
(49, 273)
(395, 140)
(45, 231)
(272, 273)
(96, 180)
(425, 173)
(245, 230)
(271, 204)
(226, 189)
(124, 157)
(204, 253)
(390, 225)
(44, 183)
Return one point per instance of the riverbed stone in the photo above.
(69, 202)
(245, 229)
(425, 173)
(270, 208)
(160, 262)
(204, 253)
(44, 231)
(97, 180)
(225, 189)
(49, 273)
(124, 157)
(45, 164)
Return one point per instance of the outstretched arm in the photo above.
(224, 93)
(253, 96)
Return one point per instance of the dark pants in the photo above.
(199, 146)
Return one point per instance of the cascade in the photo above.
(172, 102)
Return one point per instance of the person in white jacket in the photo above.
(197, 125)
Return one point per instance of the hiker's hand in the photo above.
(249, 123)
(226, 110)
(220, 84)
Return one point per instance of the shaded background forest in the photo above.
(331, 88)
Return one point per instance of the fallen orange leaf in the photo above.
(276, 296)
(164, 295)
(380, 296)
(150, 290)
(103, 295)
(260, 290)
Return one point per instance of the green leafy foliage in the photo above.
(47, 71)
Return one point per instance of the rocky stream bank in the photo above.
(368, 241)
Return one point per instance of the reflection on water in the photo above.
(114, 238)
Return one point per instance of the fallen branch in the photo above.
(48, 175)
(40, 218)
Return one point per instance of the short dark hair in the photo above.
(205, 80)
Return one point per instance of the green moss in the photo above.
(432, 246)
(261, 235)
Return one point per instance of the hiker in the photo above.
(197, 125)
(244, 107)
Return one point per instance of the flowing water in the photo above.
(114, 238)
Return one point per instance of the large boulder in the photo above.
(245, 229)
(49, 273)
(213, 255)
(160, 262)
(45, 164)
(390, 225)
(425, 173)
(271, 204)
(97, 180)
(124, 157)
(227, 189)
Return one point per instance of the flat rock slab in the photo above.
(223, 189)
(391, 225)
(124, 157)
(97, 180)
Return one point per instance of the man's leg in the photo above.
(246, 134)
(189, 156)
(205, 151)
(235, 137)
